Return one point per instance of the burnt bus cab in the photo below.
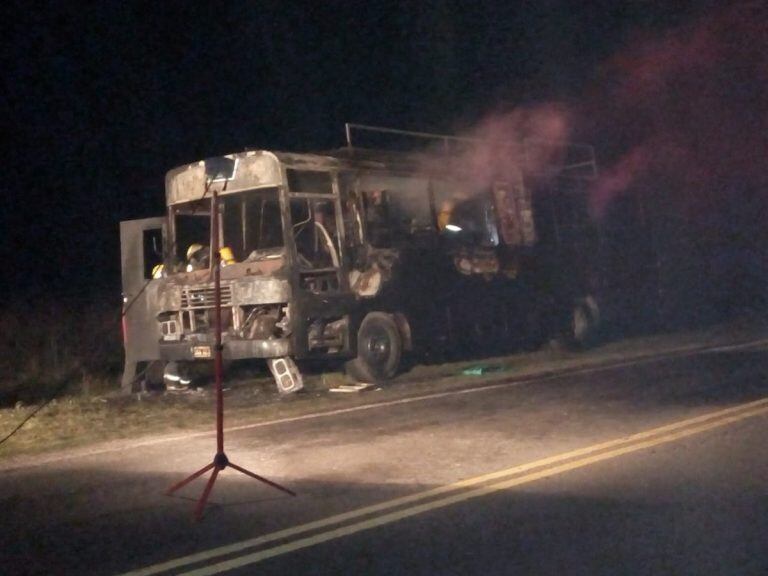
(284, 293)
(350, 254)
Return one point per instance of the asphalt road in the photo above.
(655, 468)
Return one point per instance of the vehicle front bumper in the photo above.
(232, 349)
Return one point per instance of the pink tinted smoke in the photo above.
(615, 180)
(688, 108)
(497, 152)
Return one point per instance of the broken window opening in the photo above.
(152, 243)
(352, 210)
(251, 224)
(250, 229)
(314, 233)
(192, 235)
(397, 208)
(465, 215)
(309, 181)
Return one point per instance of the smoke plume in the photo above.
(679, 120)
(689, 107)
(494, 148)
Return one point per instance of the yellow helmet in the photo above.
(194, 249)
(227, 257)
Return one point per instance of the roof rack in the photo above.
(444, 138)
(577, 159)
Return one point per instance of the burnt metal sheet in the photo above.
(254, 169)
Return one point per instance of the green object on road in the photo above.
(481, 369)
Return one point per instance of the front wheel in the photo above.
(379, 347)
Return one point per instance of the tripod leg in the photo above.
(189, 479)
(207, 492)
(262, 479)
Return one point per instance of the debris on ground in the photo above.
(351, 387)
(481, 369)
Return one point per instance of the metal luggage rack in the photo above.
(578, 160)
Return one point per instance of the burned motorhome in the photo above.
(362, 255)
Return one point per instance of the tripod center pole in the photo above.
(217, 358)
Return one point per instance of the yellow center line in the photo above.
(378, 521)
(631, 440)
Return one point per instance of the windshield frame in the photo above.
(176, 261)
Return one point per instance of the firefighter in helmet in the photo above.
(198, 257)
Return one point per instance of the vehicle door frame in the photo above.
(308, 306)
(141, 341)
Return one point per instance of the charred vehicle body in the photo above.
(360, 254)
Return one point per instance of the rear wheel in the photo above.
(379, 347)
(584, 323)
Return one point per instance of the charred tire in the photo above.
(584, 322)
(379, 347)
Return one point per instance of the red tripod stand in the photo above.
(220, 460)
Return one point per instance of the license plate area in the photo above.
(201, 352)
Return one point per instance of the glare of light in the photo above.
(453, 228)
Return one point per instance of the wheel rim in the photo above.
(377, 348)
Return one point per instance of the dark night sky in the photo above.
(101, 101)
